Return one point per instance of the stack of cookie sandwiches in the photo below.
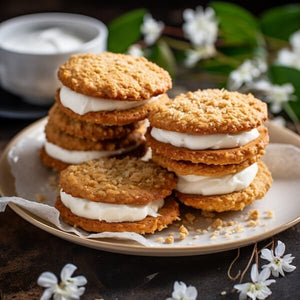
(213, 140)
(117, 195)
(100, 107)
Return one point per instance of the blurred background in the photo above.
(169, 12)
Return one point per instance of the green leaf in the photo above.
(125, 31)
(237, 25)
(281, 75)
(242, 53)
(280, 22)
(164, 57)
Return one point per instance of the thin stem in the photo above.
(249, 262)
(233, 278)
(292, 115)
(175, 31)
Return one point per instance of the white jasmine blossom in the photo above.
(135, 50)
(68, 288)
(151, 29)
(258, 288)
(280, 121)
(200, 26)
(278, 263)
(194, 55)
(274, 94)
(182, 292)
(246, 73)
(291, 58)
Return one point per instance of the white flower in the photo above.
(182, 292)
(279, 120)
(68, 288)
(194, 55)
(135, 50)
(246, 73)
(291, 58)
(274, 94)
(258, 288)
(151, 29)
(278, 263)
(201, 26)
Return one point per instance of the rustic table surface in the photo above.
(26, 251)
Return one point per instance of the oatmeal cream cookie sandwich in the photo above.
(213, 140)
(117, 195)
(109, 88)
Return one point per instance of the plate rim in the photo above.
(131, 249)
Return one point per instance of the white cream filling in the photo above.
(82, 104)
(76, 156)
(216, 185)
(205, 141)
(110, 212)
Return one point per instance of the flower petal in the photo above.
(279, 250)
(47, 294)
(254, 273)
(79, 280)
(67, 271)
(267, 254)
(47, 279)
(264, 274)
(288, 267)
(191, 292)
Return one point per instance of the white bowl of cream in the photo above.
(32, 47)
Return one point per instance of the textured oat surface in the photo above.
(114, 76)
(215, 157)
(70, 142)
(111, 180)
(233, 201)
(88, 129)
(210, 111)
(168, 214)
(182, 167)
(116, 117)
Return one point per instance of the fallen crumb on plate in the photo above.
(159, 239)
(253, 214)
(207, 214)
(223, 293)
(169, 240)
(253, 223)
(190, 217)
(218, 223)
(183, 232)
(41, 198)
(269, 214)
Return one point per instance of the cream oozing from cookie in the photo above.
(82, 104)
(216, 185)
(76, 156)
(204, 141)
(110, 212)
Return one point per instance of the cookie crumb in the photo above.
(269, 214)
(169, 240)
(253, 214)
(218, 223)
(159, 239)
(199, 230)
(253, 223)
(207, 214)
(230, 223)
(223, 293)
(183, 232)
(196, 237)
(239, 228)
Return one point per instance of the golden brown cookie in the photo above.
(59, 165)
(215, 157)
(116, 117)
(168, 214)
(182, 167)
(87, 129)
(233, 201)
(114, 76)
(210, 111)
(121, 181)
(70, 142)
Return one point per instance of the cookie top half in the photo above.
(120, 181)
(114, 76)
(209, 111)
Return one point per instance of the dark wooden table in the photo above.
(27, 251)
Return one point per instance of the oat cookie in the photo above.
(168, 214)
(210, 111)
(88, 130)
(116, 117)
(215, 157)
(121, 181)
(182, 167)
(233, 201)
(114, 76)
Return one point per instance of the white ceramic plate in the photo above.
(282, 199)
